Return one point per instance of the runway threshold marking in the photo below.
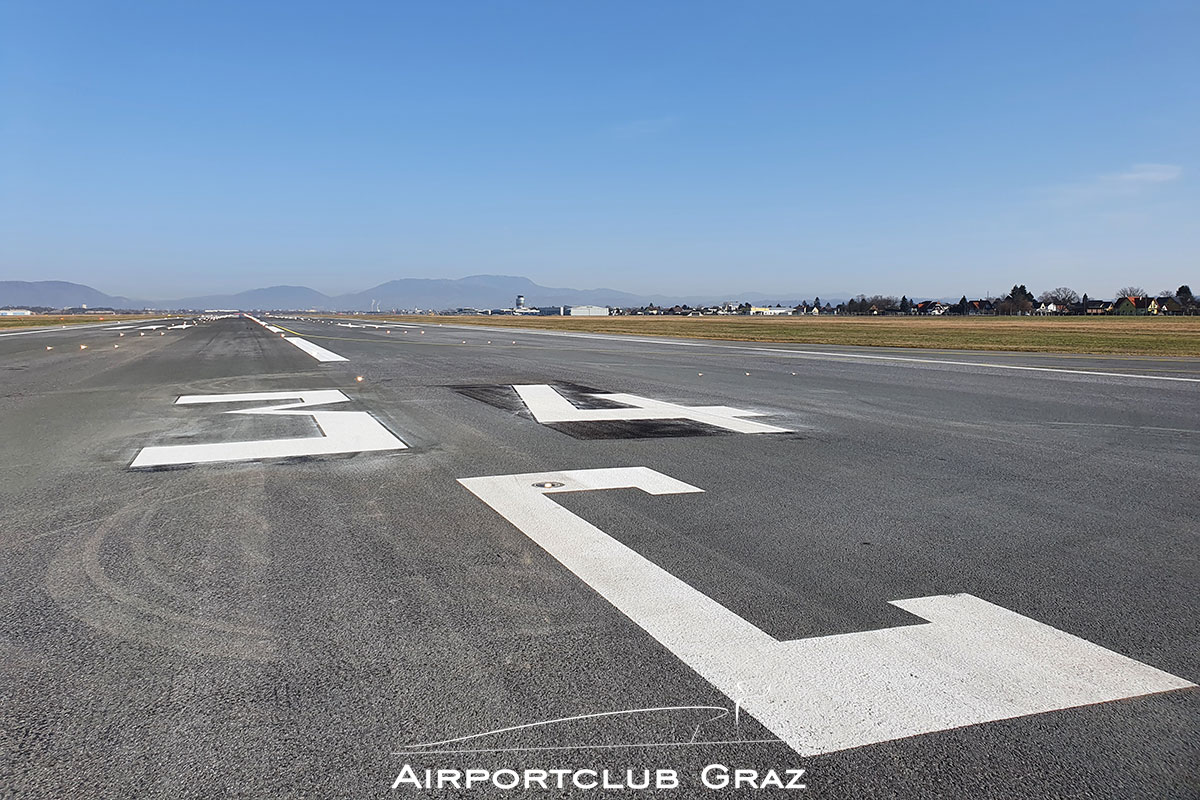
(548, 407)
(972, 662)
(344, 431)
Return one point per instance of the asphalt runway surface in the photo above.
(279, 620)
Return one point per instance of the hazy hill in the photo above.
(272, 298)
(59, 294)
(475, 291)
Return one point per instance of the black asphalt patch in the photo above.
(505, 397)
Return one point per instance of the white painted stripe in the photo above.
(988, 365)
(305, 397)
(61, 328)
(974, 662)
(57, 329)
(548, 406)
(316, 351)
(833, 354)
(344, 431)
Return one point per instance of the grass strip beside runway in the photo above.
(54, 320)
(1150, 336)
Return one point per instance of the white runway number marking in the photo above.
(548, 406)
(344, 431)
(973, 662)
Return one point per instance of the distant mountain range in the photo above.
(59, 294)
(438, 294)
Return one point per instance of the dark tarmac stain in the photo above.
(505, 397)
(266, 461)
(638, 429)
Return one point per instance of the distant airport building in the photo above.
(589, 311)
(769, 311)
(520, 309)
(15, 312)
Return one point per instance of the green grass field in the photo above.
(1150, 336)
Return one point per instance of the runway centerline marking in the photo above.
(972, 662)
(314, 350)
(343, 431)
(548, 407)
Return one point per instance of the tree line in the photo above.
(1019, 300)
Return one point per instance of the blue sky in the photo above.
(159, 149)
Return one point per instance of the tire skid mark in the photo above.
(132, 582)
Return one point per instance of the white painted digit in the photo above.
(973, 662)
(548, 406)
(344, 431)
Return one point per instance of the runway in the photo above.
(235, 566)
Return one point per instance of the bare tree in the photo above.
(1065, 295)
(1061, 296)
(1131, 291)
(883, 301)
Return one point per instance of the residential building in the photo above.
(1136, 305)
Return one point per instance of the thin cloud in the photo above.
(1148, 173)
(1136, 181)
